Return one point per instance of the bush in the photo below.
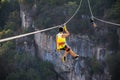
(23, 66)
(113, 63)
(95, 66)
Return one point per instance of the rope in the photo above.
(74, 13)
(35, 32)
(108, 22)
(90, 8)
(27, 34)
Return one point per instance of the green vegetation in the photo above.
(54, 12)
(114, 14)
(29, 3)
(23, 66)
(94, 65)
(17, 65)
(113, 61)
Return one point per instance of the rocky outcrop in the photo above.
(73, 70)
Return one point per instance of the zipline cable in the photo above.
(90, 8)
(74, 13)
(108, 22)
(27, 34)
(35, 32)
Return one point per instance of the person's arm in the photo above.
(66, 34)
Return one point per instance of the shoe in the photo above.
(63, 59)
(76, 57)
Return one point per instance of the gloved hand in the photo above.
(65, 28)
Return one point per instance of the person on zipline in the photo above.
(62, 45)
(93, 23)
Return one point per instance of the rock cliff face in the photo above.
(74, 70)
(90, 66)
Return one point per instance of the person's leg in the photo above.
(68, 50)
(64, 56)
(73, 54)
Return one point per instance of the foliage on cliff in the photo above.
(14, 65)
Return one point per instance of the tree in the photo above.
(114, 12)
(113, 61)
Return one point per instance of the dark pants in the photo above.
(66, 48)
